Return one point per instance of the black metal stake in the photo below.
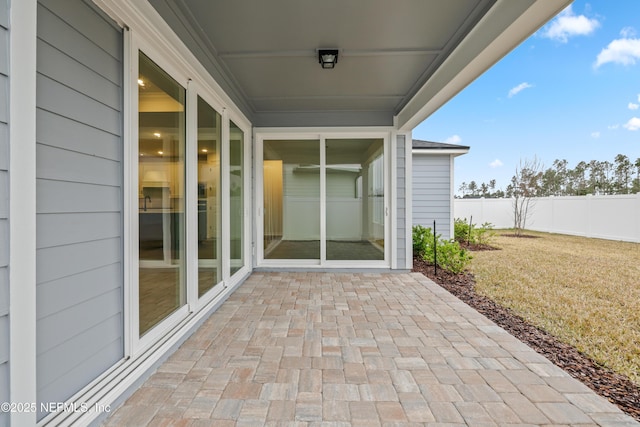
(435, 250)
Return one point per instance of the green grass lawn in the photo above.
(586, 292)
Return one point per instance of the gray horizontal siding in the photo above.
(56, 295)
(78, 367)
(4, 146)
(68, 134)
(432, 192)
(4, 49)
(401, 170)
(71, 73)
(54, 263)
(95, 311)
(4, 95)
(4, 14)
(4, 209)
(81, 168)
(55, 97)
(69, 197)
(79, 197)
(77, 228)
(80, 32)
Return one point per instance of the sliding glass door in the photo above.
(209, 197)
(191, 200)
(236, 197)
(323, 201)
(161, 190)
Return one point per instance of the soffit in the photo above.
(266, 50)
(399, 60)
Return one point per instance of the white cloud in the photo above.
(613, 127)
(522, 86)
(633, 124)
(595, 135)
(633, 106)
(639, 97)
(567, 24)
(496, 163)
(453, 139)
(625, 51)
(628, 32)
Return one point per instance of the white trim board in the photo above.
(438, 152)
(22, 208)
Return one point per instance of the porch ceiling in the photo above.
(264, 52)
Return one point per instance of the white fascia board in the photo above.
(437, 152)
(504, 27)
(329, 131)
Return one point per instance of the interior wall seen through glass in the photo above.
(291, 187)
(355, 199)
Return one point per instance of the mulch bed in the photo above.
(617, 388)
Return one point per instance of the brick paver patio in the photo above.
(330, 349)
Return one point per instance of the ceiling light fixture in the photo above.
(328, 58)
(140, 82)
(157, 134)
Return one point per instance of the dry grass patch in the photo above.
(584, 291)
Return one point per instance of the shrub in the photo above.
(452, 257)
(461, 230)
(484, 234)
(422, 240)
(447, 254)
(472, 234)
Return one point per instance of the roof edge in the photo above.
(507, 24)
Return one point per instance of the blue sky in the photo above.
(571, 91)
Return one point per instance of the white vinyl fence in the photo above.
(604, 217)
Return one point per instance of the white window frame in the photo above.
(244, 125)
(322, 134)
(140, 343)
(196, 90)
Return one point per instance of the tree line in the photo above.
(622, 176)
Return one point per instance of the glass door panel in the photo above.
(291, 179)
(236, 192)
(209, 198)
(161, 147)
(355, 199)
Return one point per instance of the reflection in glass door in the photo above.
(355, 199)
(291, 188)
(209, 198)
(161, 147)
